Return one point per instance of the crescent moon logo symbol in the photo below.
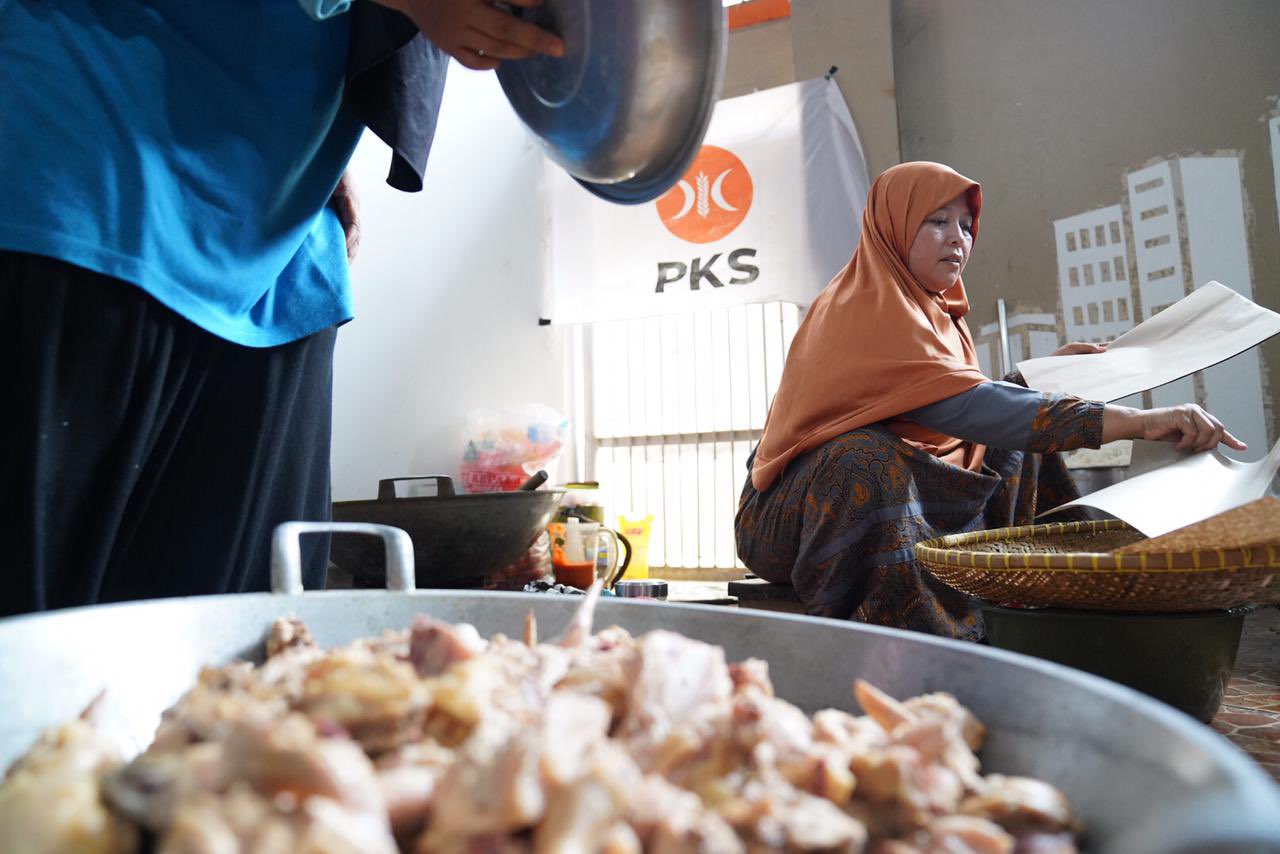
(717, 192)
(687, 205)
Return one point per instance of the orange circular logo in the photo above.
(711, 199)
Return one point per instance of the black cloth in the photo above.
(141, 456)
(394, 85)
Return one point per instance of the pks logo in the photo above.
(711, 200)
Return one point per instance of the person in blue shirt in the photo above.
(174, 248)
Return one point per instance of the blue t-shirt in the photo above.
(186, 147)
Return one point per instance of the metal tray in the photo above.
(1142, 776)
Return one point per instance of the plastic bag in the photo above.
(504, 447)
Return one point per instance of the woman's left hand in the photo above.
(1079, 348)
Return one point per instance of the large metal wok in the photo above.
(1143, 777)
(458, 540)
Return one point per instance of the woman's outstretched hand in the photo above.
(1077, 348)
(1189, 425)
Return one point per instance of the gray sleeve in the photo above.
(998, 414)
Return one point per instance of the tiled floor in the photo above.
(1250, 715)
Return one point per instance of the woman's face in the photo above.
(942, 245)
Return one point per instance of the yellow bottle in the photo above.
(637, 533)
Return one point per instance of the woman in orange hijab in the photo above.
(885, 432)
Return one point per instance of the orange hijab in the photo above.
(875, 343)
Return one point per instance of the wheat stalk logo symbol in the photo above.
(704, 192)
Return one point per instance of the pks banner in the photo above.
(770, 210)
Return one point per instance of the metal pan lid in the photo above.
(625, 110)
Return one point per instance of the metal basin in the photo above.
(625, 110)
(1184, 659)
(1141, 776)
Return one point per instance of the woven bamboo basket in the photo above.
(1070, 565)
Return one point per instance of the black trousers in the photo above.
(141, 456)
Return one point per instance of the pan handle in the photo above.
(387, 486)
(286, 552)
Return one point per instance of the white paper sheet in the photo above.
(1209, 325)
(1167, 490)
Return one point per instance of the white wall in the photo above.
(1274, 127)
(447, 287)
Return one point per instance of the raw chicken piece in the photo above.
(939, 729)
(951, 835)
(289, 756)
(700, 753)
(221, 698)
(493, 788)
(493, 844)
(774, 816)
(882, 708)
(572, 728)
(960, 834)
(815, 824)
(288, 633)
(287, 789)
(612, 807)
(149, 788)
(605, 666)
(751, 675)
(581, 815)
(50, 798)
(942, 706)
(671, 820)
(579, 628)
(510, 683)
(505, 775)
(435, 646)
(853, 735)
(759, 720)
(1046, 843)
(242, 820)
(377, 698)
(902, 790)
(892, 846)
(224, 696)
(1020, 805)
(391, 642)
(940, 742)
(409, 778)
(777, 735)
(677, 676)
